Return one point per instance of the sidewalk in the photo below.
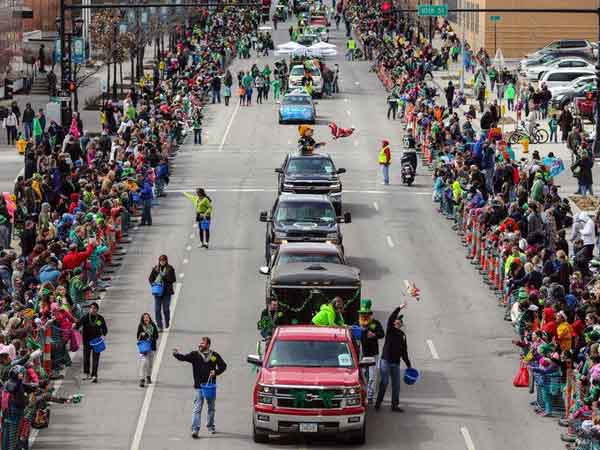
(567, 183)
(92, 88)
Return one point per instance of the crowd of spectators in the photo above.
(534, 252)
(65, 227)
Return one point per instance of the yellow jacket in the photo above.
(203, 207)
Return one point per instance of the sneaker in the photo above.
(563, 422)
(205, 245)
(195, 435)
(397, 409)
(94, 379)
(377, 406)
(142, 383)
(86, 377)
(212, 431)
(200, 245)
(148, 380)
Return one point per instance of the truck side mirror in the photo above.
(264, 270)
(341, 170)
(347, 217)
(256, 360)
(366, 361)
(278, 170)
(264, 216)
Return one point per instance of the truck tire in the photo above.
(358, 437)
(258, 436)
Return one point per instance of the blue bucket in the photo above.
(356, 332)
(209, 390)
(98, 344)
(411, 376)
(144, 346)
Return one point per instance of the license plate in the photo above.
(308, 428)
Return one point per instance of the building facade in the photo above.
(518, 34)
(11, 38)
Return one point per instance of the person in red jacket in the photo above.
(74, 258)
(549, 324)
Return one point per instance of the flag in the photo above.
(555, 166)
(338, 132)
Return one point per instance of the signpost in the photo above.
(495, 19)
(432, 10)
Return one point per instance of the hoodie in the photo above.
(49, 273)
(549, 322)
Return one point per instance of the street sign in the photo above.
(432, 10)
(495, 18)
(78, 51)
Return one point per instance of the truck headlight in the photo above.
(278, 237)
(336, 187)
(288, 186)
(265, 394)
(352, 396)
(332, 238)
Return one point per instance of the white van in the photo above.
(563, 77)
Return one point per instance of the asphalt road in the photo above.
(456, 336)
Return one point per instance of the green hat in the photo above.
(365, 306)
(545, 349)
(523, 295)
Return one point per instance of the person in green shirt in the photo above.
(330, 314)
(276, 86)
(553, 125)
(203, 205)
(537, 189)
(510, 95)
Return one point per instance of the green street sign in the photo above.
(432, 10)
(495, 18)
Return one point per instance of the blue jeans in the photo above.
(385, 169)
(197, 411)
(216, 95)
(162, 306)
(147, 211)
(387, 369)
(28, 129)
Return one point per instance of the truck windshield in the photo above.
(289, 258)
(319, 166)
(310, 354)
(305, 212)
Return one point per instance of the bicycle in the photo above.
(540, 136)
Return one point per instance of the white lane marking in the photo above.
(376, 206)
(139, 430)
(349, 112)
(185, 261)
(467, 437)
(347, 191)
(346, 100)
(390, 241)
(181, 275)
(188, 248)
(229, 125)
(434, 353)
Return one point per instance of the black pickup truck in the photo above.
(302, 218)
(311, 174)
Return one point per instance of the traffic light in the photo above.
(8, 89)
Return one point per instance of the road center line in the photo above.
(467, 437)
(376, 206)
(229, 125)
(139, 430)
(434, 353)
(390, 241)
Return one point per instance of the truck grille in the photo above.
(306, 234)
(311, 189)
(285, 398)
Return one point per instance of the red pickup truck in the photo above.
(310, 382)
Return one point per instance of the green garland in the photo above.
(313, 294)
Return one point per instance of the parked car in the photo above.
(536, 60)
(563, 77)
(322, 31)
(297, 106)
(302, 218)
(535, 72)
(311, 174)
(563, 95)
(301, 364)
(569, 47)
